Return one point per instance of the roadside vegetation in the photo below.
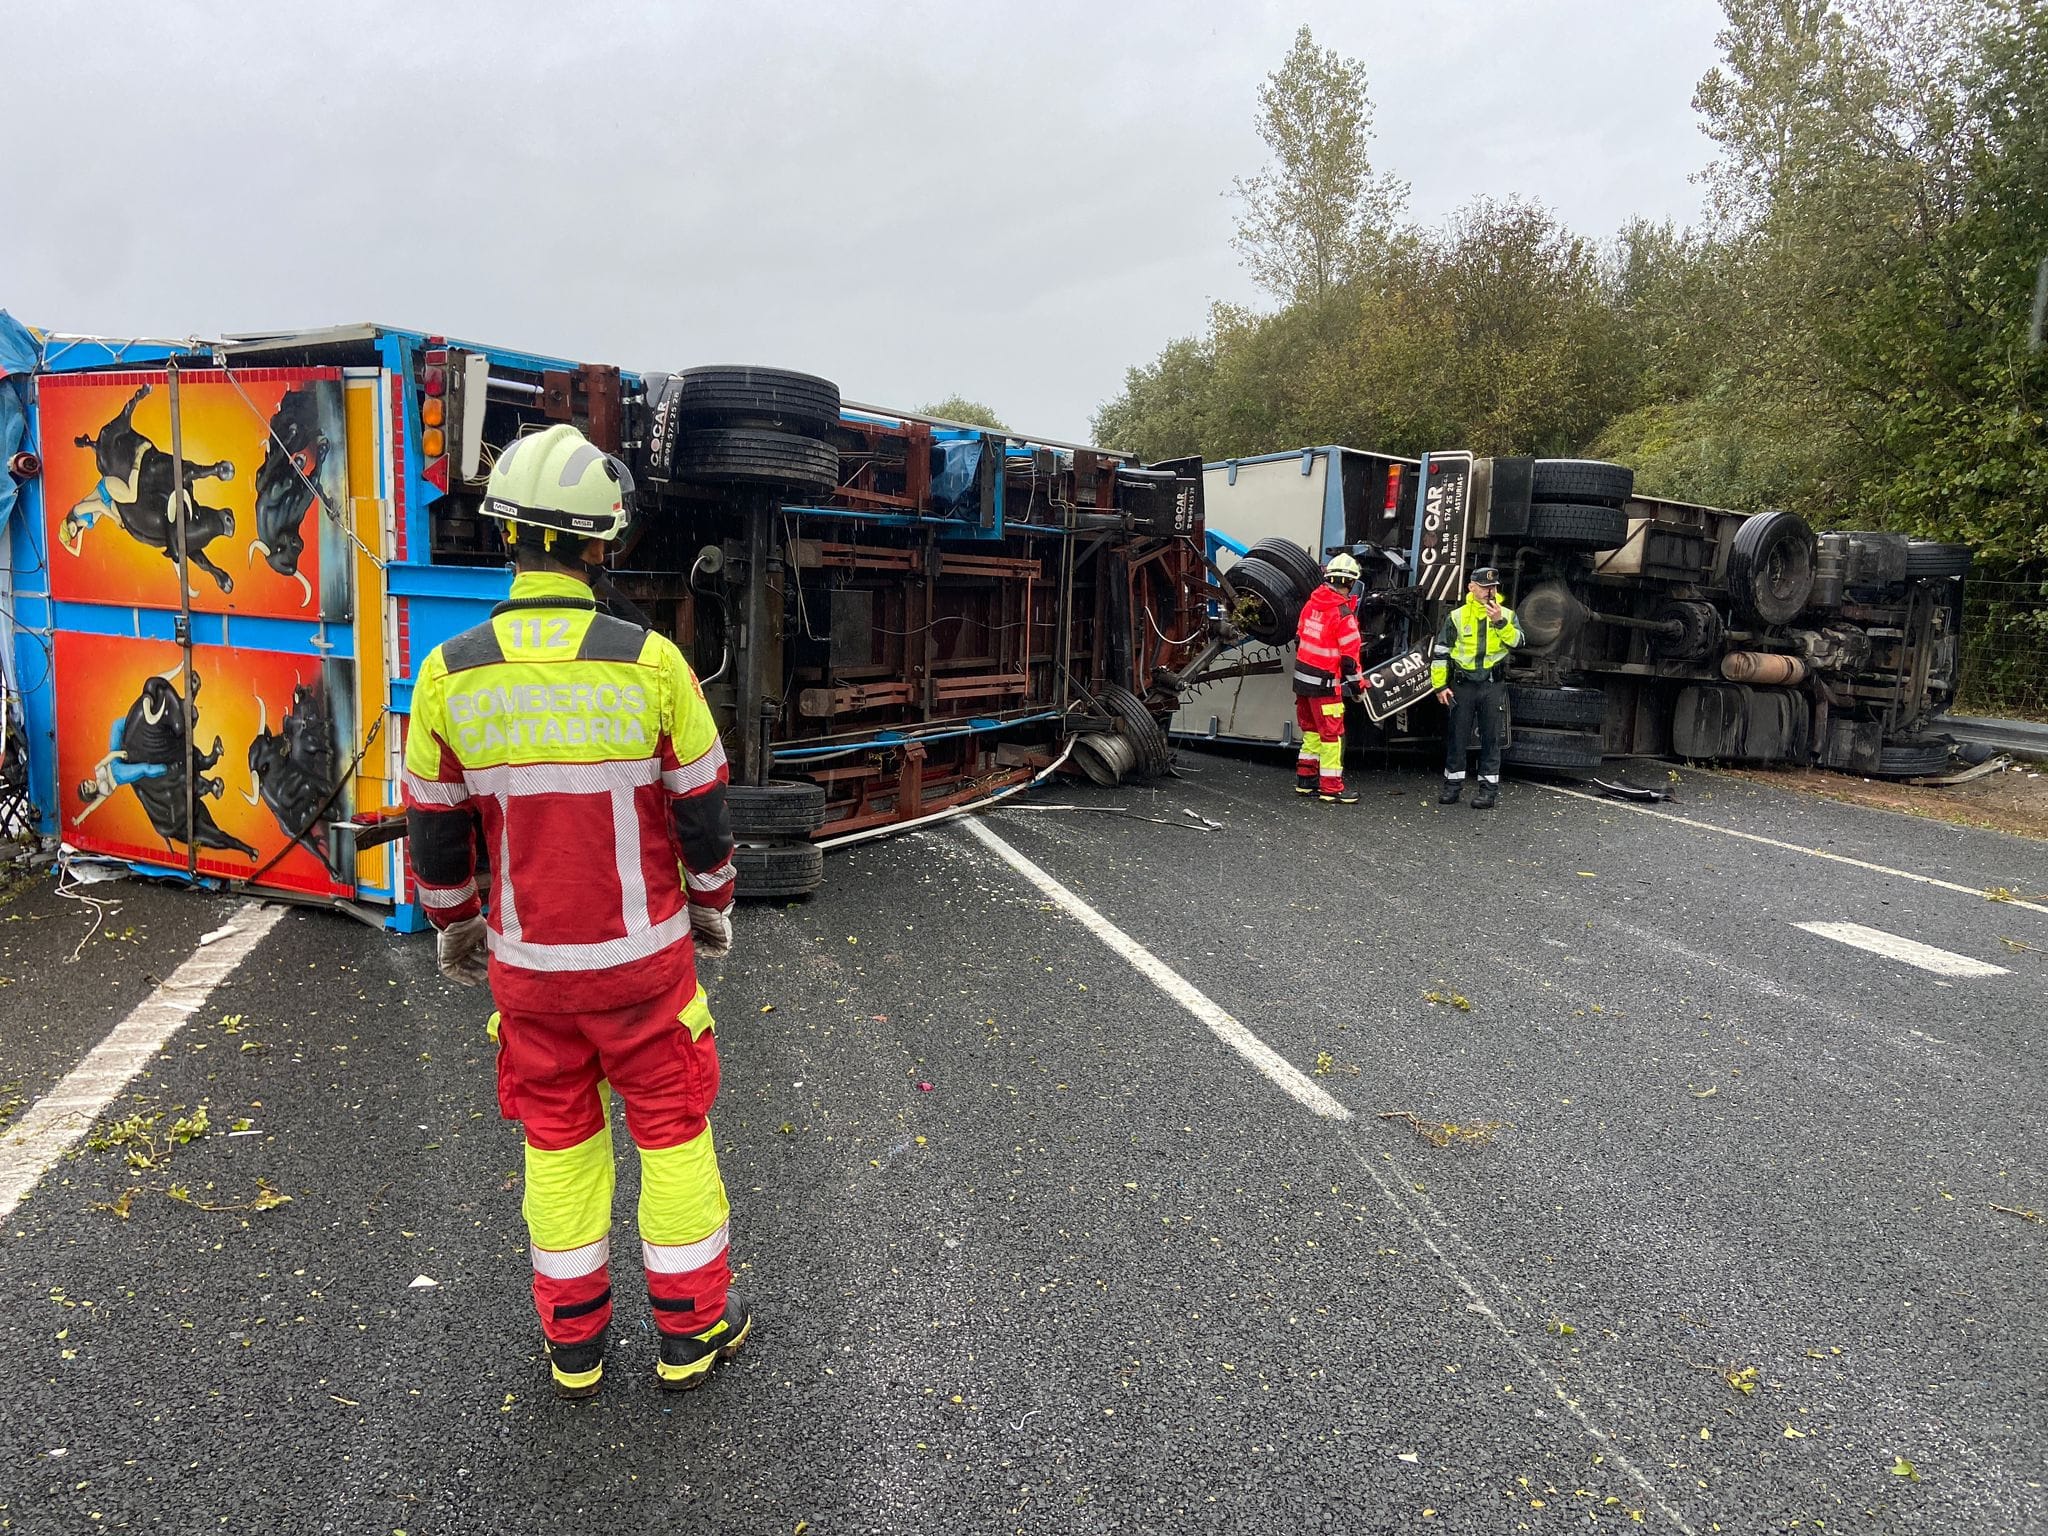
(1844, 334)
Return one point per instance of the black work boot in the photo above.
(577, 1369)
(1340, 797)
(1450, 792)
(1486, 797)
(1304, 783)
(686, 1358)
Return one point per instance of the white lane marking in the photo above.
(1288, 1079)
(1940, 961)
(63, 1114)
(1292, 1081)
(1399, 1192)
(1772, 842)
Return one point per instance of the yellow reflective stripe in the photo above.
(682, 1198)
(1334, 709)
(568, 1201)
(575, 1380)
(697, 1017)
(1332, 756)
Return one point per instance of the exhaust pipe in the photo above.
(1762, 667)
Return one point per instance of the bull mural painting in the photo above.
(293, 767)
(150, 751)
(138, 489)
(287, 486)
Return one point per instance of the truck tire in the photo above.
(1924, 557)
(1135, 723)
(769, 871)
(755, 456)
(1577, 525)
(1592, 482)
(1291, 558)
(1771, 567)
(1579, 709)
(1267, 607)
(1910, 757)
(781, 809)
(1574, 750)
(738, 396)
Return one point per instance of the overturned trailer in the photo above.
(1652, 627)
(232, 557)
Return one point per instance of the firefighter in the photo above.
(1327, 669)
(577, 750)
(1464, 669)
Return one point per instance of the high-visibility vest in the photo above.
(1472, 642)
(1327, 647)
(577, 752)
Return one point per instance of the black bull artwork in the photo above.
(293, 767)
(150, 751)
(287, 486)
(138, 488)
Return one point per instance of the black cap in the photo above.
(1486, 576)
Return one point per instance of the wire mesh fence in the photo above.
(2005, 649)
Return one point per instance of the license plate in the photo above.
(1394, 685)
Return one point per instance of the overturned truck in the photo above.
(1652, 627)
(262, 537)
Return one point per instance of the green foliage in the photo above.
(968, 412)
(1846, 337)
(1318, 211)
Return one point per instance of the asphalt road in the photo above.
(1032, 1249)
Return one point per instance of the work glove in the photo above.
(712, 929)
(462, 951)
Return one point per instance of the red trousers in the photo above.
(661, 1055)
(1321, 722)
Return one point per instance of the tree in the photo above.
(968, 412)
(1314, 213)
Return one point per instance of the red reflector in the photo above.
(436, 357)
(436, 475)
(434, 382)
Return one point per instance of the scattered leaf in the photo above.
(1742, 1380)
(1904, 1468)
(117, 1206)
(1442, 1133)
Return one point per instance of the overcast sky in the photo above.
(1011, 201)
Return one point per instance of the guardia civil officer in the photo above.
(1465, 669)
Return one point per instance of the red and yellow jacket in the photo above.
(575, 751)
(1328, 648)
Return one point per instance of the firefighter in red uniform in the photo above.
(576, 751)
(1327, 671)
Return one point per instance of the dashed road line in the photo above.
(1289, 1079)
(1772, 842)
(63, 1114)
(1297, 1086)
(1941, 962)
